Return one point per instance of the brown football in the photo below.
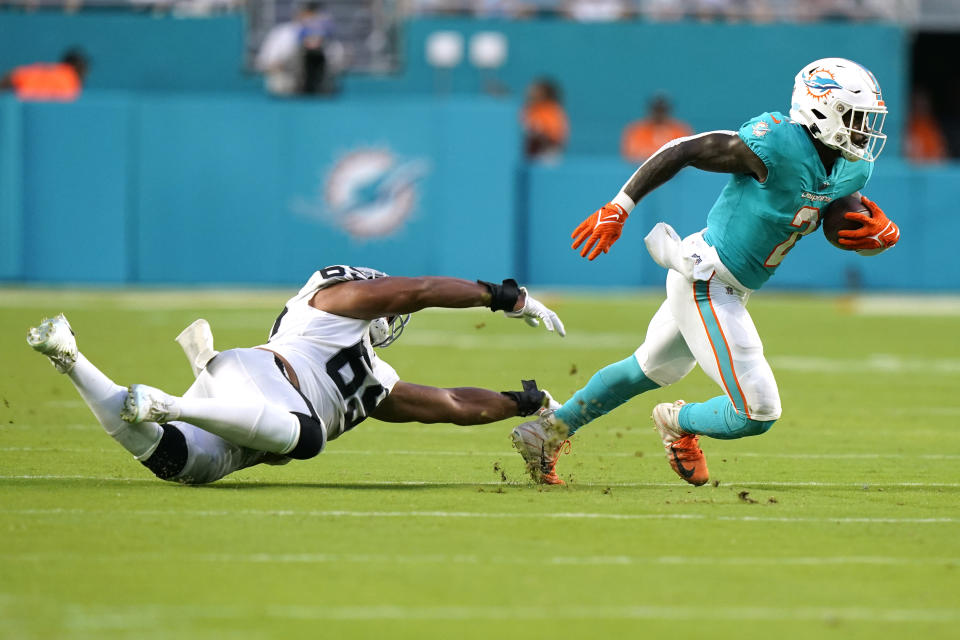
(832, 220)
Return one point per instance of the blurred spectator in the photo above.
(186, 8)
(293, 56)
(596, 10)
(545, 127)
(60, 81)
(180, 7)
(497, 8)
(925, 141)
(710, 10)
(663, 10)
(437, 7)
(278, 57)
(316, 30)
(828, 10)
(642, 138)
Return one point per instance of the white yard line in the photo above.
(642, 612)
(864, 485)
(57, 450)
(623, 454)
(113, 618)
(872, 363)
(74, 477)
(473, 515)
(917, 305)
(146, 300)
(869, 363)
(469, 453)
(469, 559)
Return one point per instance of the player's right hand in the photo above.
(533, 311)
(600, 230)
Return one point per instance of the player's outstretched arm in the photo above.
(719, 151)
(384, 297)
(409, 402)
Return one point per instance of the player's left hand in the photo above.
(877, 234)
(533, 311)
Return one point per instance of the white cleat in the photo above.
(539, 443)
(146, 404)
(666, 420)
(55, 339)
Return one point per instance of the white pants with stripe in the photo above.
(706, 322)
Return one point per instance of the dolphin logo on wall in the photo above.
(368, 192)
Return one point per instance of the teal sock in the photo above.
(607, 389)
(717, 418)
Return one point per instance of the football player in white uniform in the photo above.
(315, 378)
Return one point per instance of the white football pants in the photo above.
(706, 322)
(245, 375)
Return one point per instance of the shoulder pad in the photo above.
(337, 273)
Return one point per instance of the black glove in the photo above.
(530, 400)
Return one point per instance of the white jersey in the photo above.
(338, 370)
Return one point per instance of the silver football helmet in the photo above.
(839, 101)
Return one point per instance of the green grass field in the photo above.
(841, 522)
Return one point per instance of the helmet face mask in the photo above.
(840, 103)
(382, 331)
(385, 331)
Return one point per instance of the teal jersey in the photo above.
(754, 224)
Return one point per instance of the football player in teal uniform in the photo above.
(785, 169)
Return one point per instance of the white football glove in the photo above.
(533, 311)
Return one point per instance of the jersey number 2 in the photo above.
(806, 221)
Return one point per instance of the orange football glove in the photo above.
(877, 233)
(600, 230)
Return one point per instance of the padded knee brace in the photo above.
(312, 439)
(170, 457)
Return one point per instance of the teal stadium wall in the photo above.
(187, 189)
(186, 174)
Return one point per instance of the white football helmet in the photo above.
(385, 331)
(839, 101)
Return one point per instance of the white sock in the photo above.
(258, 425)
(105, 398)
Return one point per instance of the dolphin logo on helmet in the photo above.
(820, 83)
